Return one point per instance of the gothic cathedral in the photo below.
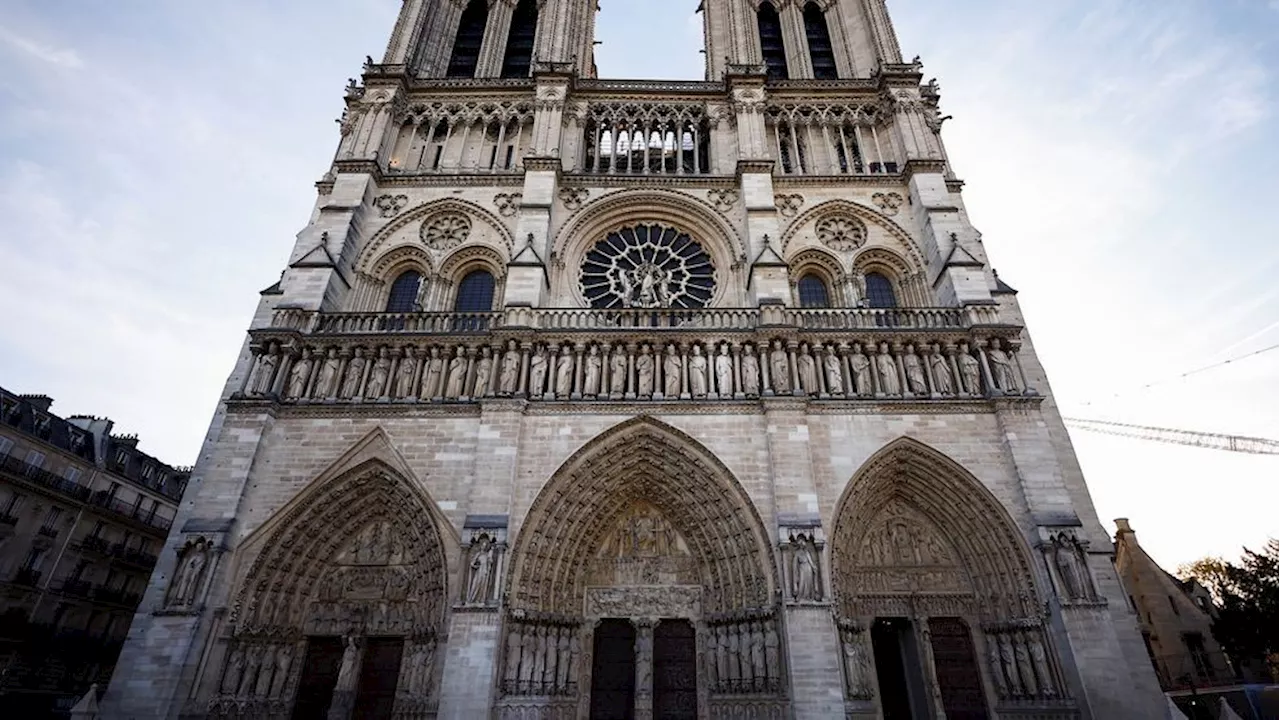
(614, 399)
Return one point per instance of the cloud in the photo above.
(63, 58)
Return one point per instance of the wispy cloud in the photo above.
(61, 57)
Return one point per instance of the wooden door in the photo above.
(379, 673)
(675, 671)
(959, 679)
(319, 675)
(613, 671)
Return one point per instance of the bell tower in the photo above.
(637, 398)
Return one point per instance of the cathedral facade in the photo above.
(591, 398)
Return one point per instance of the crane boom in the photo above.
(1232, 443)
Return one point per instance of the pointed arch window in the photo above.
(466, 46)
(475, 293)
(519, 53)
(404, 292)
(820, 51)
(813, 292)
(880, 291)
(772, 50)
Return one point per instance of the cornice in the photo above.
(646, 181)
(449, 180)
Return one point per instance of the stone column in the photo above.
(644, 668)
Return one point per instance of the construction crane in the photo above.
(1215, 441)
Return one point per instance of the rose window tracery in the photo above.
(647, 266)
(445, 230)
(841, 232)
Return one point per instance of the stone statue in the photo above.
(432, 383)
(750, 372)
(591, 373)
(997, 666)
(644, 372)
(861, 368)
(537, 372)
(355, 374)
(915, 372)
(564, 372)
(807, 369)
(970, 373)
(709, 661)
(672, 367)
(347, 670)
(378, 376)
(404, 375)
(698, 373)
(528, 652)
(888, 371)
(509, 376)
(834, 373)
(772, 649)
(267, 666)
(724, 372)
(779, 369)
(1002, 370)
(574, 653)
(722, 655)
(759, 670)
(1041, 662)
(1010, 666)
(284, 663)
(426, 669)
(804, 571)
(266, 371)
(299, 375)
(512, 675)
(187, 583)
(1025, 671)
(481, 566)
(231, 676)
(856, 664)
(1068, 560)
(253, 662)
(484, 369)
(941, 372)
(563, 653)
(736, 671)
(327, 385)
(618, 371)
(457, 385)
(539, 658)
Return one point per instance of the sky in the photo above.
(1120, 159)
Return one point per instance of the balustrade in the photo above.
(456, 137)
(629, 138)
(830, 140)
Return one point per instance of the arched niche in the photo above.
(359, 555)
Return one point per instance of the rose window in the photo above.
(647, 266)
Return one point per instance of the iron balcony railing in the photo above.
(39, 476)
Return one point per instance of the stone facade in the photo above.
(83, 516)
(697, 398)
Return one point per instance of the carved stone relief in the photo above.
(642, 549)
(802, 547)
(842, 233)
(573, 197)
(722, 200)
(887, 202)
(187, 588)
(1067, 559)
(789, 205)
(484, 554)
(508, 204)
(856, 661)
(680, 601)
(445, 230)
(390, 205)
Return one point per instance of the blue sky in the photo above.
(156, 160)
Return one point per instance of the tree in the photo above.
(1246, 594)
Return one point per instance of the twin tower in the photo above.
(590, 398)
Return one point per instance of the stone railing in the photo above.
(568, 319)
(551, 354)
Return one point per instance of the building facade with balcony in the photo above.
(631, 398)
(83, 515)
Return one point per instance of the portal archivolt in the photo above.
(358, 557)
(930, 573)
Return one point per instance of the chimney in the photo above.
(1122, 526)
(39, 402)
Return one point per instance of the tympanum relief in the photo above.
(642, 549)
(906, 553)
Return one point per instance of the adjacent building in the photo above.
(602, 398)
(83, 516)
(1176, 619)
